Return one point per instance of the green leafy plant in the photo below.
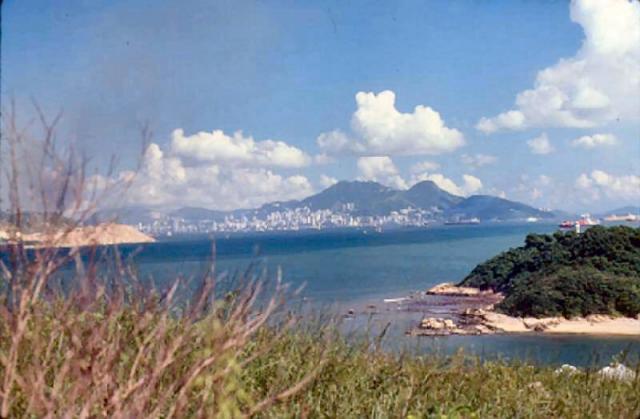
(568, 274)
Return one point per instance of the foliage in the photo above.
(95, 341)
(114, 364)
(569, 274)
(569, 293)
(359, 382)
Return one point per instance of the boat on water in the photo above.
(585, 221)
(624, 218)
(395, 300)
(463, 221)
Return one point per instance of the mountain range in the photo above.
(361, 198)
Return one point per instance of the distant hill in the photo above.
(427, 194)
(128, 215)
(359, 198)
(371, 198)
(368, 198)
(195, 214)
(487, 207)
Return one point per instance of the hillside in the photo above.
(357, 198)
(195, 213)
(427, 194)
(368, 198)
(487, 207)
(371, 198)
(567, 274)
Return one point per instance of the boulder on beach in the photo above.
(618, 372)
(566, 369)
(437, 324)
(447, 288)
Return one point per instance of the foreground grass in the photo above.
(103, 362)
(359, 382)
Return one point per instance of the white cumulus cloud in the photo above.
(478, 160)
(470, 184)
(380, 169)
(380, 129)
(541, 190)
(597, 85)
(540, 145)
(600, 183)
(236, 149)
(595, 140)
(326, 181)
(334, 141)
(195, 171)
(425, 166)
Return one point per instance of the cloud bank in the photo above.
(219, 171)
(236, 150)
(540, 145)
(478, 160)
(599, 184)
(470, 184)
(595, 140)
(593, 87)
(380, 129)
(380, 169)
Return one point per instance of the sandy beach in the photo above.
(103, 234)
(591, 325)
(476, 319)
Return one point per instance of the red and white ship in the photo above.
(585, 221)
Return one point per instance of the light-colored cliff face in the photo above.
(103, 234)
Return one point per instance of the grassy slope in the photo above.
(361, 383)
(351, 381)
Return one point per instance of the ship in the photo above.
(585, 221)
(463, 221)
(628, 218)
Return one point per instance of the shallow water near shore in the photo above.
(357, 270)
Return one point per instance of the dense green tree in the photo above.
(568, 274)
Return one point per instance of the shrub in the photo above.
(567, 274)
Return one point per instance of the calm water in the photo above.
(344, 269)
(344, 266)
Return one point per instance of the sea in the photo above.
(355, 271)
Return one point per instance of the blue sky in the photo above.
(285, 73)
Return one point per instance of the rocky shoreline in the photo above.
(475, 315)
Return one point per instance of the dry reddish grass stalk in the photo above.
(107, 347)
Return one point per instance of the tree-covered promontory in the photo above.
(567, 274)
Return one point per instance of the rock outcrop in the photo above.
(449, 289)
